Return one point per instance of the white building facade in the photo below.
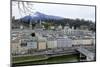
(64, 42)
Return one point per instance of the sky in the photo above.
(66, 11)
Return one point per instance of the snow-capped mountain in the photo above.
(40, 16)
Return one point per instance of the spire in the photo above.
(40, 22)
(30, 24)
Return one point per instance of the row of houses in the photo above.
(42, 43)
(76, 32)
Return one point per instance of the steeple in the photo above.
(30, 24)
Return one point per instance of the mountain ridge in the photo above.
(40, 16)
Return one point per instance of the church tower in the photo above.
(30, 25)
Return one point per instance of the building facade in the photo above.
(51, 43)
(64, 42)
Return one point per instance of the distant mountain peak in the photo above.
(38, 12)
(40, 16)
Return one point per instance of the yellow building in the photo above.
(15, 46)
(41, 44)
